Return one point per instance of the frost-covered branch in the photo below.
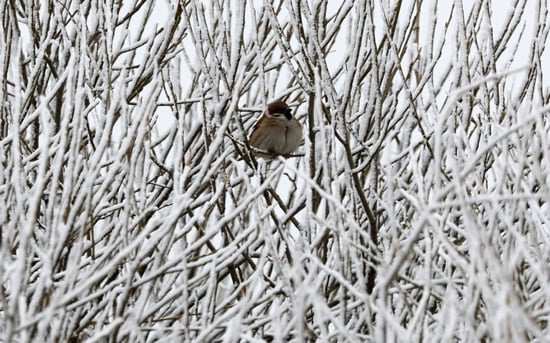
(132, 207)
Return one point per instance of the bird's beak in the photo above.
(288, 114)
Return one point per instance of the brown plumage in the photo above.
(277, 131)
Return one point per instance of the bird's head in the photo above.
(279, 108)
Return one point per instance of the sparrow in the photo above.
(277, 131)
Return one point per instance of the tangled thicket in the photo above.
(132, 210)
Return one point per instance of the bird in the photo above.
(277, 131)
